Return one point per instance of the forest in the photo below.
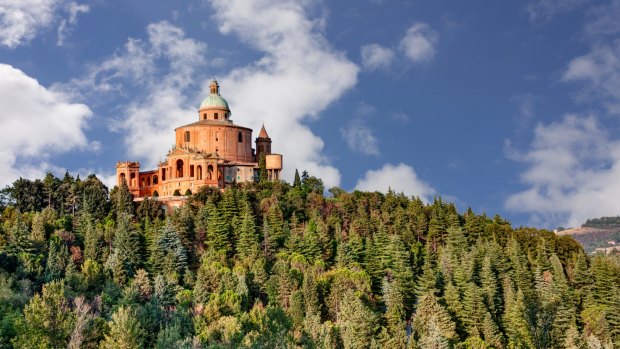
(279, 265)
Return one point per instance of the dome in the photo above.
(214, 100)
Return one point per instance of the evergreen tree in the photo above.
(168, 257)
(247, 247)
(262, 168)
(47, 321)
(127, 256)
(432, 323)
(56, 259)
(122, 200)
(297, 180)
(356, 321)
(217, 230)
(125, 331)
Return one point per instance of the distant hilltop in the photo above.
(596, 234)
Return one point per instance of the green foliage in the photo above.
(47, 321)
(273, 265)
(603, 222)
(125, 331)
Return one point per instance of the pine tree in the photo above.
(125, 331)
(395, 307)
(47, 321)
(168, 257)
(122, 200)
(357, 323)
(430, 280)
(56, 259)
(515, 323)
(432, 320)
(127, 255)
(217, 230)
(93, 243)
(247, 245)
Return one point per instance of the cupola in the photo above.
(214, 107)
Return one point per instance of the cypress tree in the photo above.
(297, 180)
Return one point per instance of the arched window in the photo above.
(204, 116)
(210, 172)
(179, 173)
(148, 181)
(199, 172)
(187, 136)
(132, 179)
(163, 174)
(240, 137)
(215, 116)
(191, 170)
(155, 179)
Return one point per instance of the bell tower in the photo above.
(263, 143)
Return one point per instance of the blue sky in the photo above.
(509, 107)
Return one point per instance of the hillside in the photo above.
(273, 265)
(593, 238)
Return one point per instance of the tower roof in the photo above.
(214, 100)
(263, 133)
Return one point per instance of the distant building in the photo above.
(211, 152)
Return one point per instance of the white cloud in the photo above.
(160, 75)
(375, 56)
(297, 77)
(419, 42)
(545, 9)
(600, 70)
(572, 173)
(74, 9)
(359, 137)
(36, 124)
(21, 20)
(399, 178)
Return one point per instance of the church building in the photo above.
(210, 152)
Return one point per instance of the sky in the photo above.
(507, 107)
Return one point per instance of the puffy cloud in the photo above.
(399, 178)
(419, 43)
(297, 77)
(359, 137)
(572, 173)
(162, 71)
(600, 71)
(36, 123)
(545, 9)
(22, 20)
(375, 56)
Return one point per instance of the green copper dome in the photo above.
(214, 100)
